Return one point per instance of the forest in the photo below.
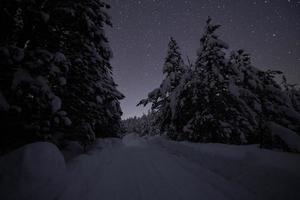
(57, 88)
(56, 79)
(59, 102)
(220, 98)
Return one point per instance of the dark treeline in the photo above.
(144, 125)
(55, 77)
(56, 84)
(222, 98)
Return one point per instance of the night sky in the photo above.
(268, 29)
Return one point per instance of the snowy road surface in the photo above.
(153, 168)
(136, 168)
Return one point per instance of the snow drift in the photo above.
(149, 168)
(35, 171)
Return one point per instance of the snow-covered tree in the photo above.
(92, 95)
(293, 93)
(56, 79)
(164, 99)
(263, 100)
(144, 125)
(211, 104)
(228, 100)
(32, 76)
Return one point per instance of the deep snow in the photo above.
(149, 168)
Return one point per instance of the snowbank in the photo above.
(31, 172)
(149, 168)
(84, 171)
(266, 173)
(38, 171)
(289, 137)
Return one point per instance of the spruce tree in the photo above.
(56, 79)
(92, 98)
(208, 85)
(164, 99)
(32, 76)
(225, 100)
(263, 100)
(213, 111)
(292, 92)
(144, 125)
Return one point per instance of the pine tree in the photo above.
(208, 85)
(93, 100)
(225, 100)
(263, 100)
(144, 125)
(214, 110)
(32, 76)
(56, 79)
(164, 99)
(277, 107)
(292, 93)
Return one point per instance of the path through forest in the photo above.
(136, 168)
(149, 168)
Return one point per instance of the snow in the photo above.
(62, 81)
(266, 174)
(67, 121)
(55, 70)
(72, 150)
(55, 104)
(289, 137)
(233, 88)
(99, 99)
(35, 171)
(59, 57)
(149, 168)
(133, 140)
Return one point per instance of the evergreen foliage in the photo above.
(224, 99)
(164, 98)
(56, 79)
(144, 125)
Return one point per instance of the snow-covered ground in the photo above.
(149, 168)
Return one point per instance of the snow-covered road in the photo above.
(154, 168)
(141, 169)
